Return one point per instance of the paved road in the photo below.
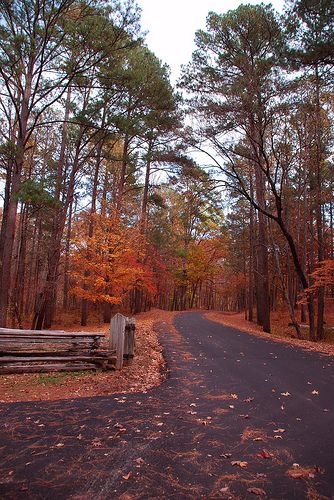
(225, 396)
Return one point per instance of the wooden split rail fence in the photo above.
(24, 351)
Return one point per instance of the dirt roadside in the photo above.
(144, 373)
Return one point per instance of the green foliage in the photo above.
(8, 151)
(34, 193)
(310, 24)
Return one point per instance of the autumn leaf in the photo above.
(265, 454)
(285, 394)
(298, 472)
(96, 442)
(239, 463)
(127, 476)
(257, 491)
(226, 489)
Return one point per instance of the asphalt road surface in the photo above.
(237, 417)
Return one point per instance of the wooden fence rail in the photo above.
(24, 351)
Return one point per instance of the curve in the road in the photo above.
(232, 420)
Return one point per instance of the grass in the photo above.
(55, 378)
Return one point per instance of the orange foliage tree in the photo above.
(105, 266)
(322, 276)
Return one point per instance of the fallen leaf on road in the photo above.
(59, 445)
(280, 431)
(127, 476)
(139, 461)
(226, 455)
(298, 472)
(226, 489)
(265, 454)
(240, 463)
(285, 393)
(257, 491)
(248, 400)
(234, 396)
(97, 442)
(315, 392)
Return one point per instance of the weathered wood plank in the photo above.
(46, 368)
(129, 339)
(48, 352)
(47, 333)
(45, 359)
(117, 329)
(26, 351)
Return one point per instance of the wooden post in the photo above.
(117, 332)
(122, 338)
(129, 340)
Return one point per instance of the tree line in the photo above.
(120, 192)
(262, 94)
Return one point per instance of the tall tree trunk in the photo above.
(67, 258)
(319, 217)
(251, 258)
(263, 296)
(122, 176)
(8, 242)
(300, 273)
(84, 302)
(143, 216)
(46, 302)
(9, 222)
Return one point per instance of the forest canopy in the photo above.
(122, 193)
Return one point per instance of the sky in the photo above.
(171, 26)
